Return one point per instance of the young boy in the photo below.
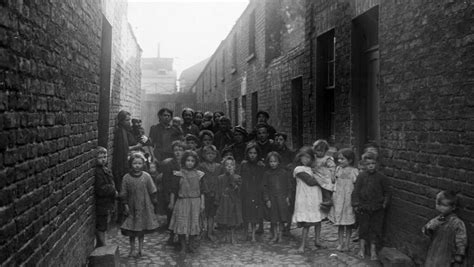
(370, 198)
(105, 194)
(191, 141)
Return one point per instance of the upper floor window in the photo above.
(252, 34)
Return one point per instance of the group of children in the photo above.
(200, 187)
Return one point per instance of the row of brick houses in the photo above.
(398, 73)
(66, 69)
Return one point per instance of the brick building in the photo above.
(63, 77)
(395, 73)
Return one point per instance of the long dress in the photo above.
(211, 171)
(308, 199)
(185, 218)
(277, 188)
(136, 191)
(341, 212)
(252, 191)
(229, 212)
(448, 238)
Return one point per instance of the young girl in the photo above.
(308, 197)
(324, 167)
(447, 232)
(190, 201)
(229, 213)
(136, 194)
(341, 213)
(252, 190)
(211, 170)
(277, 192)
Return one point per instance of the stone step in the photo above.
(391, 257)
(106, 256)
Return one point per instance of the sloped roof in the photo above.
(191, 74)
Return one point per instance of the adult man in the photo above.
(262, 118)
(163, 134)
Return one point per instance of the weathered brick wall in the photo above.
(49, 95)
(279, 29)
(125, 68)
(427, 111)
(48, 115)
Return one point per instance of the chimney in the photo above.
(158, 51)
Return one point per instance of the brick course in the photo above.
(49, 83)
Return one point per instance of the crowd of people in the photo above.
(205, 175)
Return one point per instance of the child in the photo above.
(176, 123)
(157, 179)
(170, 168)
(105, 194)
(252, 189)
(239, 145)
(263, 141)
(137, 195)
(324, 167)
(189, 203)
(341, 213)
(224, 136)
(206, 138)
(229, 212)
(198, 117)
(308, 197)
(211, 170)
(369, 147)
(277, 191)
(191, 141)
(447, 232)
(369, 199)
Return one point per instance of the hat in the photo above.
(264, 113)
(240, 129)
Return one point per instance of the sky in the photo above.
(187, 30)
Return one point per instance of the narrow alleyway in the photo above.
(157, 253)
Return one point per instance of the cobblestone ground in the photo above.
(157, 253)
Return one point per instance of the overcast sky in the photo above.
(188, 31)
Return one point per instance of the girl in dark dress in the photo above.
(277, 192)
(229, 212)
(252, 188)
(212, 170)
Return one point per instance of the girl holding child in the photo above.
(308, 197)
(341, 213)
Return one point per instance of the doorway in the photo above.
(365, 82)
(104, 95)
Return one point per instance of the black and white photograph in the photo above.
(324, 133)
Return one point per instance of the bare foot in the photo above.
(361, 254)
(132, 254)
(339, 248)
(253, 240)
(300, 249)
(319, 245)
(211, 237)
(374, 257)
(274, 239)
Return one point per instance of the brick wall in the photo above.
(49, 95)
(425, 89)
(426, 112)
(125, 68)
(279, 31)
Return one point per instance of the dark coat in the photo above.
(122, 140)
(104, 189)
(252, 191)
(277, 188)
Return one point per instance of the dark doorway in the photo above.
(254, 108)
(104, 95)
(365, 78)
(297, 112)
(325, 107)
(243, 121)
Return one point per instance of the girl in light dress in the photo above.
(341, 213)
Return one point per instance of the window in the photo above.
(234, 53)
(243, 118)
(223, 65)
(236, 111)
(251, 35)
(325, 120)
